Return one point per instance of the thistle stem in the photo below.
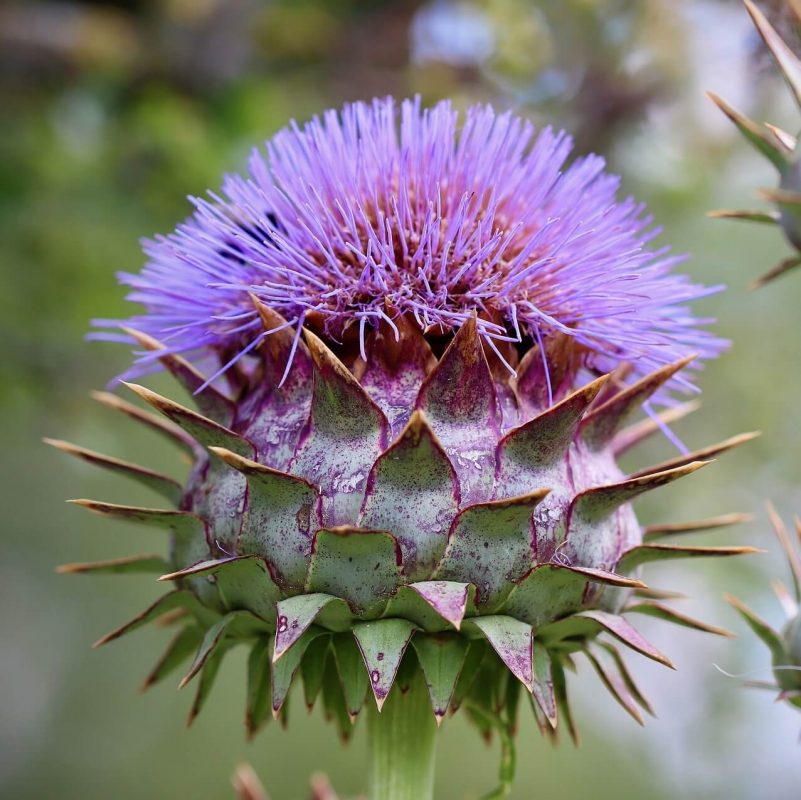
(402, 746)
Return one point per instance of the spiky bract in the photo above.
(777, 145)
(378, 211)
(784, 645)
(375, 516)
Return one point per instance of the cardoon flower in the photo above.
(404, 480)
(778, 146)
(784, 645)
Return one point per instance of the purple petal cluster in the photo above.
(383, 209)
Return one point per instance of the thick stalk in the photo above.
(402, 744)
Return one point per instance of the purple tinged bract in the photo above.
(383, 209)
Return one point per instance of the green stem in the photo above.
(402, 746)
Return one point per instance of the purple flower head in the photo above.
(380, 210)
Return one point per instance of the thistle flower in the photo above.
(411, 481)
(784, 645)
(350, 222)
(775, 144)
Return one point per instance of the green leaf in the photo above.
(180, 648)
(785, 265)
(501, 677)
(545, 728)
(529, 454)
(210, 566)
(242, 582)
(282, 513)
(181, 523)
(162, 426)
(210, 401)
(246, 583)
(408, 604)
(563, 701)
(459, 400)
(789, 548)
(433, 606)
(283, 671)
(490, 546)
(627, 678)
(589, 623)
(351, 672)
(212, 640)
(347, 433)
(512, 640)
(202, 429)
(413, 491)
(552, 591)
(480, 717)
(382, 644)
(441, 657)
(129, 565)
(749, 215)
(602, 424)
(754, 134)
(334, 700)
(257, 704)
(449, 599)
(312, 666)
(654, 532)
(646, 553)
(476, 652)
(705, 454)
(164, 485)
(786, 140)
(667, 614)
(408, 671)
(296, 614)
(188, 544)
(788, 201)
(592, 524)
(207, 677)
(650, 593)
(600, 502)
(616, 687)
(511, 705)
(765, 632)
(542, 686)
(177, 599)
(360, 566)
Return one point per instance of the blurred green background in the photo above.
(113, 112)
